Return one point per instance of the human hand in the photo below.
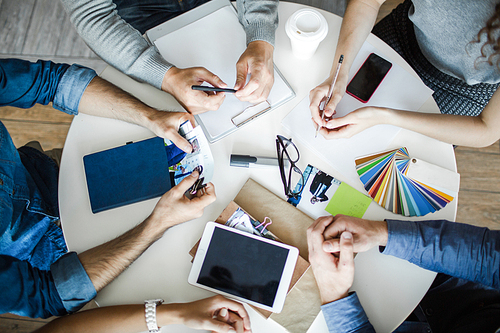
(174, 207)
(334, 275)
(166, 124)
(366, 234)
(353, 123)
(217, 314)
(178, 82)
(257, 60)
(320, 94)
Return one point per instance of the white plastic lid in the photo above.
(307, 25)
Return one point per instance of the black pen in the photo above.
(205, 88)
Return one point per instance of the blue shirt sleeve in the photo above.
(346, 315)
(457, 249)
(72, 282)
(28, 291)
(23, 84)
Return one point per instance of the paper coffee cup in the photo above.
(306, 29)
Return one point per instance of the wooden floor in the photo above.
(33, 29)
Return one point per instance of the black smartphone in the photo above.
(368, 77)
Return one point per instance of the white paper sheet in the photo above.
(399, 90)
(216, 42)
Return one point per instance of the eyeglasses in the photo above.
(287, 150)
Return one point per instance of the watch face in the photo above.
(157, 301)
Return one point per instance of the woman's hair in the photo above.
(491, 30)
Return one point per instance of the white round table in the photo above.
(388, 288)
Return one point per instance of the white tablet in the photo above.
(243, 266)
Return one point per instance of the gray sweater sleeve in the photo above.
(259, 19)
(123, 47)
(115, 41)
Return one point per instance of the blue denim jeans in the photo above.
(146, 14)
(38, 277)
(27, 228)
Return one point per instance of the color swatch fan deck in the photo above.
(404, 185)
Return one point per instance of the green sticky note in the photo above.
(348, 201)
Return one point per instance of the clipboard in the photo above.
(211, 36)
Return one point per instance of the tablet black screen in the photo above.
(243, 266)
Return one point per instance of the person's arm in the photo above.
(105, 262)
(24, 84)
(334, 276)
(73, 280)
(74, 89)
(346, 315)
(480, 131)
(457, 249)
(358, 21)
(123, 47)
(453, 248)
(216, 314)
(260, 20)
(115, 41)
(104, 99)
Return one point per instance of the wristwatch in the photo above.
(150, 308)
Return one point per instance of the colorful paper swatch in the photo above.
(405, 185)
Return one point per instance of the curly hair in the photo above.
(490, 30)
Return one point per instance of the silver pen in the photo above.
(324, 102)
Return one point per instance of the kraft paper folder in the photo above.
(127, 174)
(211, 36)
(303, 301)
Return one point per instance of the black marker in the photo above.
(205, 88)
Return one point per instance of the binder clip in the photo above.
(264, 225)
(198, 184)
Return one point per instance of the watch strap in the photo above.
(150, 313)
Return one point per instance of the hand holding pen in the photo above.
(324, 99)
(178, 82)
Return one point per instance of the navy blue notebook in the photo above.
(123, 175)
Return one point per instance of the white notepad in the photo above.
(212, 37)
